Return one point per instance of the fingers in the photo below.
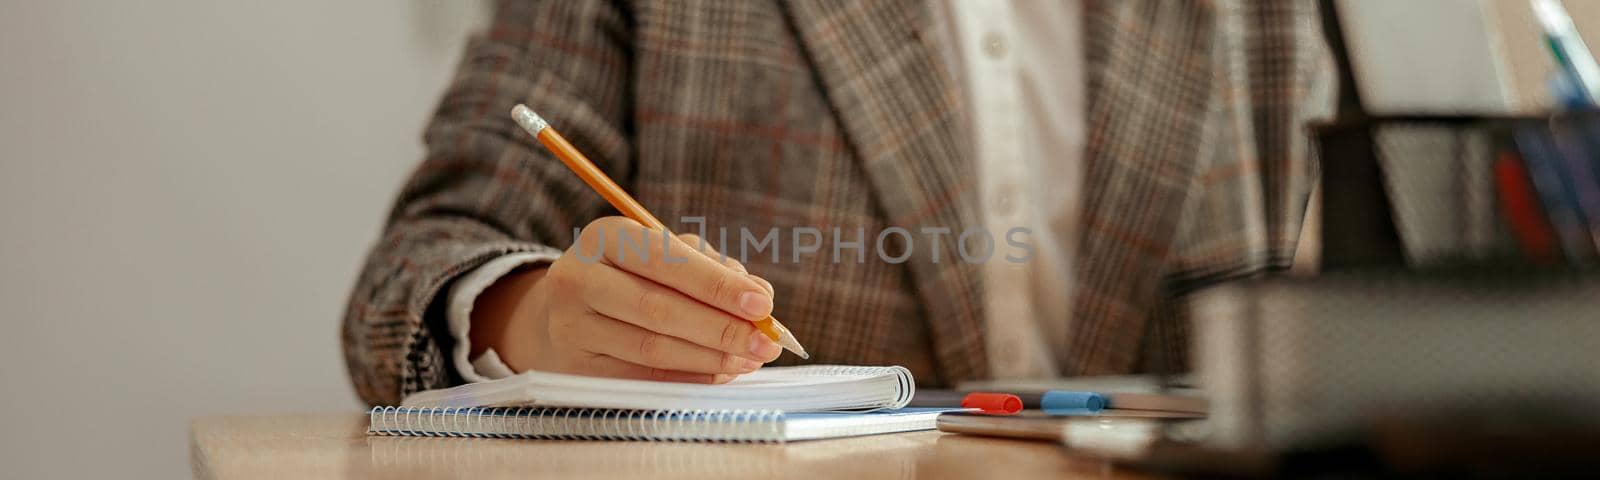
(706, 249)
(765, 285)
(637, 345)
(623, 296)
(678, 266)
(601, 365)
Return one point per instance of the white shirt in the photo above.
(1022, 65)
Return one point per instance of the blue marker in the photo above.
(1061, 403)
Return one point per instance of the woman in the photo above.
(1138, 145)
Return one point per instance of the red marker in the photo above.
(993, 403)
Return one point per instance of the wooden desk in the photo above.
(336, 446)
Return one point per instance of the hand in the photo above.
(684, 320)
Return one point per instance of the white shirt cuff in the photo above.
(463, 293)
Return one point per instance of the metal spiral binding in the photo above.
(579, 424)
(613, 424)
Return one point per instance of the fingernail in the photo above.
(763, 347)
(749, 365)
(764, 284)
(755, 304)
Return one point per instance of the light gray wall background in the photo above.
(186, 190)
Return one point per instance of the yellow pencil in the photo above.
(625, 203)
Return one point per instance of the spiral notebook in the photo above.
(759, 426)
(809, 388)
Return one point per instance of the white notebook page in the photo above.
(795, 389)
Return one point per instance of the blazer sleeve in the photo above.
(485, 188)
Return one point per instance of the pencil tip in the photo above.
(796, 349)
(788, 342)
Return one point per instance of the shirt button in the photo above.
(994, 45)
(1005, 200)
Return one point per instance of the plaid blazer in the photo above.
(813, 113)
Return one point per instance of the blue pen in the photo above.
(1571, 54)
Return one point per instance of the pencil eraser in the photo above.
(993, 403)
(1058, 402)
